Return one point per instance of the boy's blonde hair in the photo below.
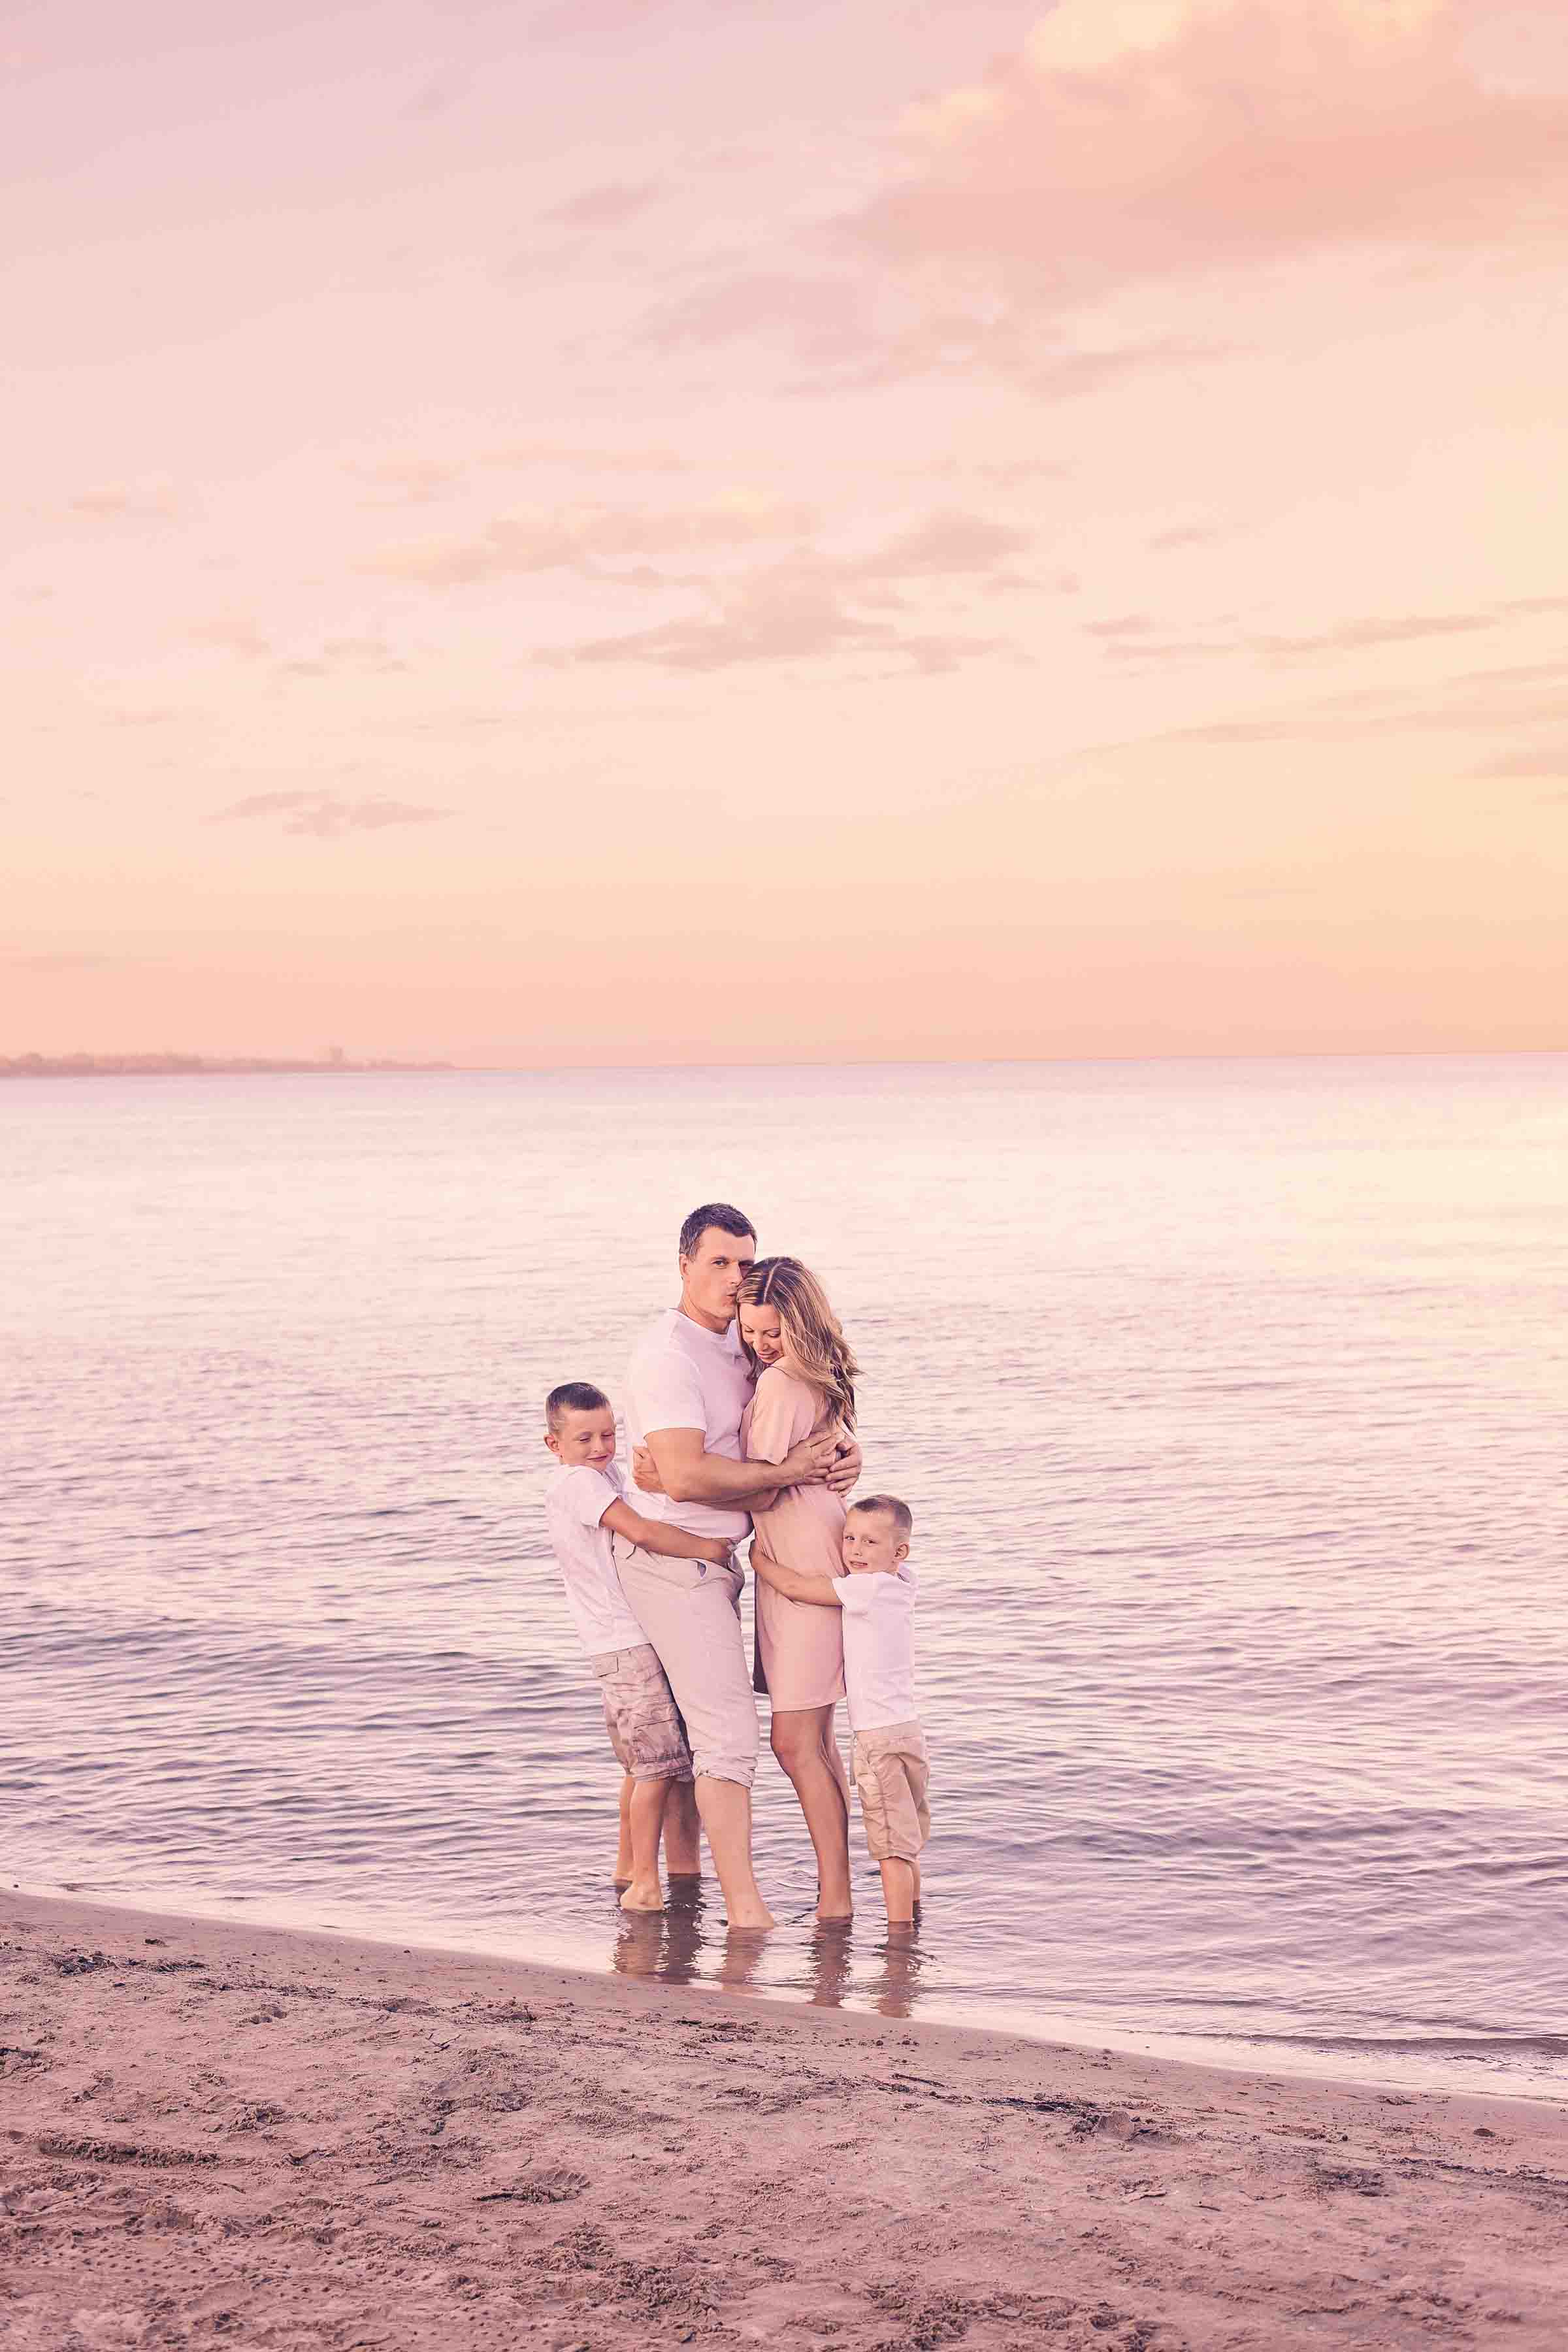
(811, 1330)
(902, 1516)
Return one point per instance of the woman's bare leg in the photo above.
(801, 1736)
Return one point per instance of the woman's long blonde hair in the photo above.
(813, 1339)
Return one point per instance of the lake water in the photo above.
(1230, 1398)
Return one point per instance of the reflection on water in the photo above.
(1228, 1397)
(871, 1965)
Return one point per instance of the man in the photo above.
(687, 1386)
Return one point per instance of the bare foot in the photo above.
(641, 1897)
(750, 1919)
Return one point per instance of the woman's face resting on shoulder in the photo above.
(761, 1332)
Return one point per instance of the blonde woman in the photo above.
(806, 1388)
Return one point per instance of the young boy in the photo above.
(877, 1594)
(585, 1505)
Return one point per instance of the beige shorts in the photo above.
(892, 1773)
(641, 1716)
(691, 1612)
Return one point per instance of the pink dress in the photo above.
(800, 1648)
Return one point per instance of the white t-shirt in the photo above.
(878, 1646)
(576, 1501)
(683, 1377)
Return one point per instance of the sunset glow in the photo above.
(583, 533)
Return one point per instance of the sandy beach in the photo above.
(213, 2132)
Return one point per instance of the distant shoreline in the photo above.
(189, 1065)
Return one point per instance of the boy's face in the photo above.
(587, 1437)
(761, 1332)
(872, 1543)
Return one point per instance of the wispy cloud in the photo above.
(143, 502)
(413, 478)
(326, 816)
(610, 204)
(335, 654)
(1349, 636)
(590, 537)
(1548, 760)
(816, 605)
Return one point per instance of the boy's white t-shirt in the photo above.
(878, 1646)
(577, 1499)
(682, 1376)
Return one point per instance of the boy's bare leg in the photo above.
(624, 1873)
(801, 1738)
(726, 1810)
(644, 1893)
(836, 1764)
(899, 1892)
(682, 1832)
(916, 1869)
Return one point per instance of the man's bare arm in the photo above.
(689, 1475)
(666, 1542)
(791, 1584)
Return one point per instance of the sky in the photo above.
(650, 530)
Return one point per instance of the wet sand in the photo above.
(214, 2133)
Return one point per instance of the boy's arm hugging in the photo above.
(818, 1590)
(665, 1542)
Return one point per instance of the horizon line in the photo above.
(394, 1066)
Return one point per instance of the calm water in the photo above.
(1230, 1398)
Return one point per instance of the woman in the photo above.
(806, 1385)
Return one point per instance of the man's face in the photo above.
(872, 1543)
(587, 1437)
(712, 1277)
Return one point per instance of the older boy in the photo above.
(583, 1509)
(891, 1770)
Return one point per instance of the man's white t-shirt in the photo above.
(576, 1502)
(878, 1646)
(684, 1377)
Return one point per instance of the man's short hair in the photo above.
(899, 1513)
(572, 1396)
(714, 1212)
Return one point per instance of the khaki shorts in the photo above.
(691, 1612)
(892, 1773)
(641, 1716)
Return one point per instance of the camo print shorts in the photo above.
(644, 1723)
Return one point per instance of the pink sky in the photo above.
(572, 532)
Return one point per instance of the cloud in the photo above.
(325, 815)
(609, 205)
(411, 479)
(1543, 760)
(69, 960)
(586, 538)
(1189, 534)
(825, 319)
(337, 654)
(855, 337)
(815, 605)
(145, 501)
(786, 611)
(1349, 636)
(1135, 140)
